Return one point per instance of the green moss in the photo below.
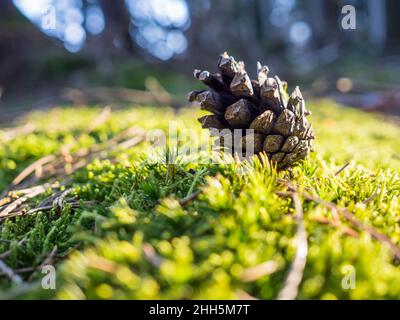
(137, 240)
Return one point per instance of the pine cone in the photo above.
(279, 122)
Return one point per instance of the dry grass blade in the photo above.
(345, 213)
(151, 255)
(160, 94)
(59, 201)
(128, 133)
(243, 295)
(5, 201)
(26, 191)
(7, 253)
(72, 204)
(55, 165)
(342, 168)
(27, 194)
(49, 200)
(346, 230)
(48, 260)
(16, 292)
(32, 168)
(373, 196)
(9, 273)
(293, 279)
(359, 224)
(259, 271)
(129, 143)
(102, 264)
(18, 131)
(185, 201)
(101, 119)
(50, 257)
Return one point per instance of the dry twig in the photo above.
(151, 255)
(18, 131)
(295, 275)
(7, 253)
(243, 295)
(100, 119)
(46, 261)
(9, 273)
(346, 230)
(55, 166)
(373, 196)
(32, 168)
(345, 213)
(28, 194)
(342, 168)
(185, 201)
(259, 271)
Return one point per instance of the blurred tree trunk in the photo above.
(334, 34)
(118, 20)
(317, 19)
(377, 23)
(20, 42)
(393, 32)
(8, 11)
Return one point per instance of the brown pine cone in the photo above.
(279, 121)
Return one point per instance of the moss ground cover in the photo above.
(138, 228)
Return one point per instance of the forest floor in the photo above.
(82, 189)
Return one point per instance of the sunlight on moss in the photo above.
(138, 240)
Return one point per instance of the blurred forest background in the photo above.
(144, 51)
